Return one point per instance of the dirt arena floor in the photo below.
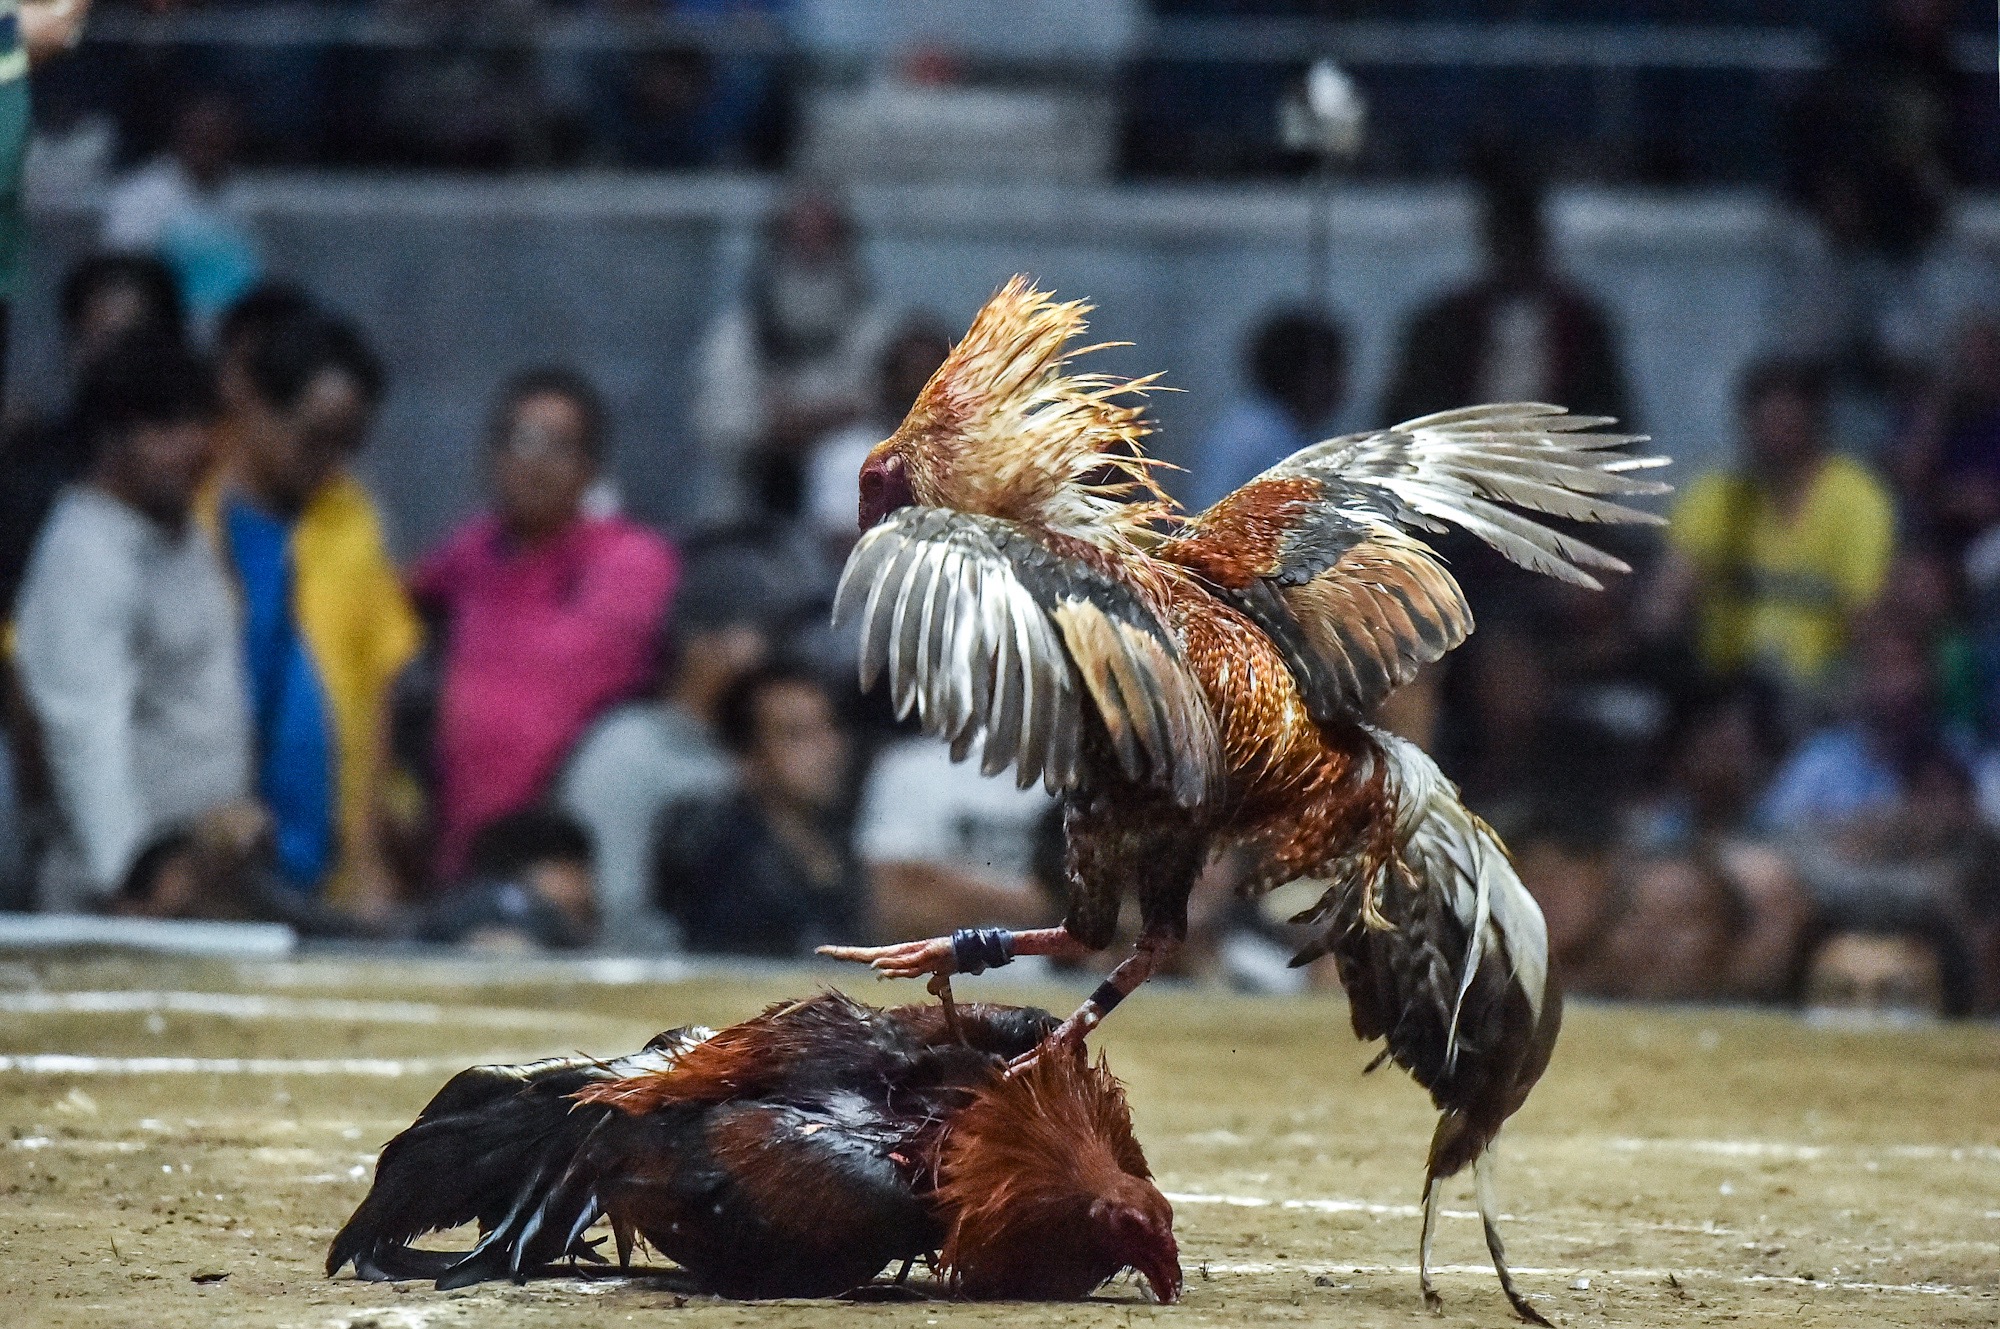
(178, 1140)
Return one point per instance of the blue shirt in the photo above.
(294, 729)
(1253, 435)
(1836, 774)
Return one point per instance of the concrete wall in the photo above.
(463, 281)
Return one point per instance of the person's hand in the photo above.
(235, 830)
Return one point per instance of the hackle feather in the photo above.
(1004, 429)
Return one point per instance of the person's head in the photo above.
(547, 440)
(243, 328)
(205, 137)
(783, 730)
(146, 407)
(108, 297)
(1893, 688)
(313, 386)
(1722, 752)
(544, 851)
(1299, 359)
(1890, 973)
(907, 363)
(1513, 228)
(1782, 404)
(809, 285)
(705, 657)
(1675, 936)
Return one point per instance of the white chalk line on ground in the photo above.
(1246, 1268)
(1783, 1150)
(1806, 1153)
(260, 1006)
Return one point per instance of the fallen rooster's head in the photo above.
(1050, 1191)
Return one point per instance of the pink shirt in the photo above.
(538, 643)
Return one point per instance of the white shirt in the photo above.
(128, 644)
(833, 475)
(921, 806)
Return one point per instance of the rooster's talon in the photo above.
(909, 959)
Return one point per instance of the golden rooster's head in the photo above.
(1002, 430)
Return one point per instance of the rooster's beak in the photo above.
(1162, 1273)
(885, 487)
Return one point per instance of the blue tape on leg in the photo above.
(975, 950)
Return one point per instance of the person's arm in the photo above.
(1868, 543)
(394, 639)
(614, 626)
(73, 642)
(50, 27)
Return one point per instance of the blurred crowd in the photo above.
(1763, 767)
(1766, 766)
(903, 87)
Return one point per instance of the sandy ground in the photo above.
(218, 1121)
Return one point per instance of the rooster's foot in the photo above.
(908, 959)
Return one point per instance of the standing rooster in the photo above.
(1205, 686)
(797, 1154)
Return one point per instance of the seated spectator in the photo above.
(550, 615)
(946, 847)
(1672, 937)
(1575, 885)
(1522, 754)
(185, 208)
(1947, 462)
(127, 631)
(1878, 813)
(104, 299)
(770, 869)
(650, 754)
(791, 359)
(1896, 975)
(527, 887)
(1521, 331)
(1867, 766)
(1774, 559)
(832, 500)
(327, 626)
(1701, 824)
(1296, 364)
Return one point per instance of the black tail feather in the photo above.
(463, 1160)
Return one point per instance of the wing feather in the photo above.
(1364, 604)
(994, 636)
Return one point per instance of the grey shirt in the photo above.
(126, 636)
(635, 762)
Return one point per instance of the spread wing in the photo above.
(994, 635)
(1318, 551)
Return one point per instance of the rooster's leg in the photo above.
(940, 987)
(1151, 950)
(967, 951)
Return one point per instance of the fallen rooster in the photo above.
(797, 1154)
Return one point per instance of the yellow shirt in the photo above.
(357, 621)
(1777, 593)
